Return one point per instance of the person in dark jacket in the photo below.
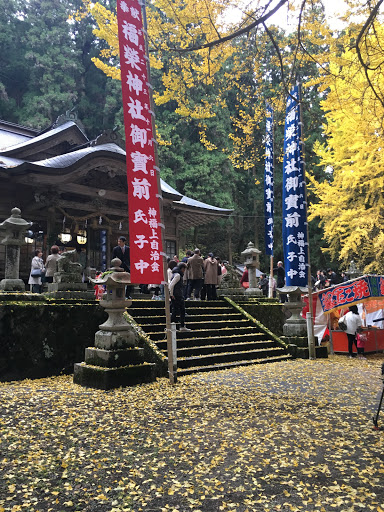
(280, 281)
(332, 277)
(176, 294)
(264, 284)
(280, 271)
(121, 251)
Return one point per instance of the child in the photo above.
(361, 339)
(99, 288)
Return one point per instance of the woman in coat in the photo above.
(211, 276)
(36, 264)
(51, 264)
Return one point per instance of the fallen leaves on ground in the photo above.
(289, 436)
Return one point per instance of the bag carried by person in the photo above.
(342, 324)
(37, 272)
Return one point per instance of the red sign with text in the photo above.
(143, 194)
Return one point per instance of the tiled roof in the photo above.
(42, 138)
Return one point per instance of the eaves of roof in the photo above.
(66, 164)
(43, 138)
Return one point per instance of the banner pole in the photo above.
(269, 191)
(270, 277)
(172, 374)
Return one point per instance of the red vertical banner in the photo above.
(143, 194)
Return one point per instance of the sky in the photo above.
(332, 9)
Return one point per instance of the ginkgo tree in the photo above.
(350, 196)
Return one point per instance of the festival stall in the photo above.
(367, 292)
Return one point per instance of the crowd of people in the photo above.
(327, 278)
(43, 272)
(196, 278)
(193, 278)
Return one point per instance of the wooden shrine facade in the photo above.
(66, 184)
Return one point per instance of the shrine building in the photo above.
(74, 191)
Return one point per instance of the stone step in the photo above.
(217, 357)
(190, 310)
(220, 336)
(238, 331)
(198, 350)
(225, 324)
(143, 320)
(111, 378)
(141, 303)
(229, 365)
(214, 340)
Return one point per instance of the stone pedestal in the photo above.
(115, 360)
(13, 230)
(67, 281)
(251, 261)
(295, 325)
(230, 285)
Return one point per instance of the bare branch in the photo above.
(363, 31)
(238, 33)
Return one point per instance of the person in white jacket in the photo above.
(354, 323)
(37, 265)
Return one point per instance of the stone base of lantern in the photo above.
(12, 285)
(107, 340)
(114, 358)
(293, 329)
(253, 292)
(110, 378)
(69, 291)
(108, 368)
(74, 294)
(65, 287)
(232, 293)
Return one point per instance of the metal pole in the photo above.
(165, 264)
(332, 352)
(270, 295)
(310, 333)
(174, 352)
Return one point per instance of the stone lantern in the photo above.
(13, 235)
(295, 325)
(252, 262)
(353, 271)
(115, 360)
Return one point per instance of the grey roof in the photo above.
(44, 136)
(7, 162)
(68, 159)
(170, 190)
(8, 138)
(188, 201)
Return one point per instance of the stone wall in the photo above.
(39, 339)
(271, 315)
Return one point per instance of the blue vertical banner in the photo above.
(295, 224)
(268, 182)
(103, 249)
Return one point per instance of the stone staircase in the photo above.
(220, 337)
